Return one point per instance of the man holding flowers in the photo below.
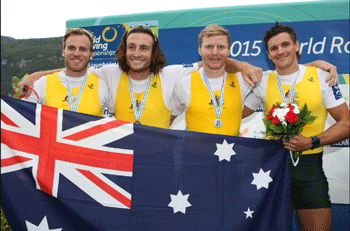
(300, 121)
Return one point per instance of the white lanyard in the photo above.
(218, 108)
(138, 112)
(74, 105)
(291, 93)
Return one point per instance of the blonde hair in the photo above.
(213, 30)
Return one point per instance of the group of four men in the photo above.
(212, 93)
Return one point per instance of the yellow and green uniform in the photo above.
(307, 91)
(57, 95)
(155, 112)
(200, 115)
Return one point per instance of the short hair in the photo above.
(213, 30)
(158, 59)
(278, 29)
(78, 31)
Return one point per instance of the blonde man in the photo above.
(211, 97)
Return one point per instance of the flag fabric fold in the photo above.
(64, 170)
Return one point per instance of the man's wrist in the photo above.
(245, 66)
(316, 142)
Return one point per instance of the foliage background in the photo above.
(20, 56)
(4, 224)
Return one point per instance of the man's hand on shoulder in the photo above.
(29, 81)
(252, 74)
(333, 78)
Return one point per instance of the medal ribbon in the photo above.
(218, 109)
(74, 106)
(291, 93)
(138, 112)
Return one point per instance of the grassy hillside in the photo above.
(20, 56)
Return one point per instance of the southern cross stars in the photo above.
(249, 213)
(262, 179)
(179, 202)
(43, 226)
(224, 151)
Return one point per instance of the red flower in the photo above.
(273, 109)
(275, 120)
(291, 117)
(291, 108)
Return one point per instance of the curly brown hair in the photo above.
(158, 59)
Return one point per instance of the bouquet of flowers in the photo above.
(286, 121)
(15, 81)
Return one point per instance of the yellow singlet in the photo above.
(57, 95)
(200, 115)
(155, 113)
(307, 91)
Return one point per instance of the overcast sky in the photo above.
(23, 19)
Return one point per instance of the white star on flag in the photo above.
(43, 226)
(262, 179)
(249, 213)
(179, 202)
(224, 151)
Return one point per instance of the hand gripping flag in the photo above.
(63, 170)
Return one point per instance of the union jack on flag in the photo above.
(52, 147)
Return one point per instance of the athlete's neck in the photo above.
(288, 71)
(211, 73)
(140, 75)
(72, 73)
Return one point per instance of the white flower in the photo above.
(294, 105)
(283, 105)
(280, 113)
(296, 108)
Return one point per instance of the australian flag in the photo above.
(63, 170)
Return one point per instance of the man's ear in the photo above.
(297, 46)
(92, 56)
(200, 51)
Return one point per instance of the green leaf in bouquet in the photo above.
(308, 114)
(285, 128)
(303, 111)
(15, 81)
(310, 120)
(300, 129)
(276, 129)
(266, 120)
